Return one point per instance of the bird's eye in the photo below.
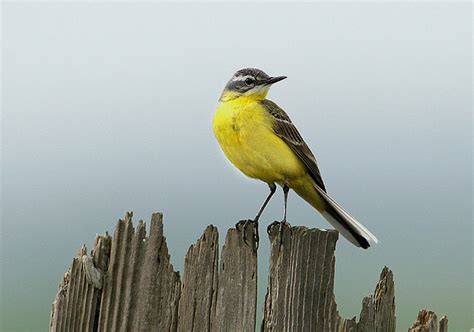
(249, 81)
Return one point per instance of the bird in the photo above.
(259, 138)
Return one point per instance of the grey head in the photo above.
(250, 80)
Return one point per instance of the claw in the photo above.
(273, 224)
(242, 227)
(281, 225)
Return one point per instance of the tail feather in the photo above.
(350, 228)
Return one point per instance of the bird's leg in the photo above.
(244, 223)
(283, 223)
(286, 189)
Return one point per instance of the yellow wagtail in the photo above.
(259, 138)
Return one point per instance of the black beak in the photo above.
(272, 80)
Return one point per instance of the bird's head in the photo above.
(249, 82)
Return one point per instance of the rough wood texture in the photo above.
(128, 284)
(427, 321)
(237, 294)
(300, 293)
(219, 296)
(443, 324)
(378, 310)
(76, 306)
(301, 280)
(141, 289)
(197, 305)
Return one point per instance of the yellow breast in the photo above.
(244, 131)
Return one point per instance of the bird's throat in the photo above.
(243, 98)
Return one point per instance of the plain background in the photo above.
(108, 108)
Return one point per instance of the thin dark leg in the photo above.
(272, 191)
(244, 223)
(283, 223)
(286, 189)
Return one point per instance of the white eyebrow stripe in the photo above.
(241, 78)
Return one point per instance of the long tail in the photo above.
(350, 228)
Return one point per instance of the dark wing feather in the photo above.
(287, 131)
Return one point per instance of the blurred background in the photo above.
(107, 107)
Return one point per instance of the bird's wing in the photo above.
(287, 131)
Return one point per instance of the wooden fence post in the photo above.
(77, 302)
(141, 289)
(197, 305)
(129, 284)
(300, 293)
(301, 281)
(427, 321)
(237, 296)
(219, 295)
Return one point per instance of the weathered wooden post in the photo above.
(141, 289)
(300, 287)
(129, 284)
(219, 295)
(197, 306)
(300, 293)
(77, 302)
(427, 321)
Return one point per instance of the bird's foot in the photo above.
(242, 227)
(281, 226)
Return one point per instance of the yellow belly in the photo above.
(244, 131)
